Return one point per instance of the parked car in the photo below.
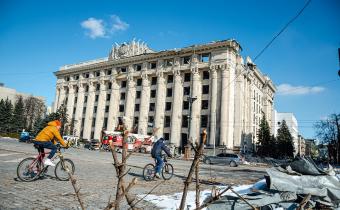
(232, 160)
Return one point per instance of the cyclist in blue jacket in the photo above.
(156, 153)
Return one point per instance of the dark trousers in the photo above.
(159, 164)
(47, 145)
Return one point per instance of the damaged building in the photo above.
(153, 89)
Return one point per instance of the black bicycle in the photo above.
(149, 171)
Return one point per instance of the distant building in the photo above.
(12, 94)
(152, 88)
(301, 145)
(309, 145)
(292, 124)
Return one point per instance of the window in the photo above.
(75, 100)
(138, 67)
(186, 90)
(205, 89)
(170, 78)
(87, 88)
(166, 136)
(95, 109)
(84, 110)
(152, 107)
(169, 62)
(122, 96)
(67, 78)
(109, 86)
(123, 69)
(66, 100)
(136, 107)
(167, 121)
(87, 75)
(153, 65)
(77, 89)
(85, 99)
(107, 108)
(185, 105)
(184, 121)
(121, 108)
(105, 122)
(123, 84)
(167, 106)
(98, 87)
(154, 81)
(205, 104)
(150, 119)
(82, 122)
(76, 77)
(153, 93)
(109, 72)
(96, 98)
(93, 122)
(187, 77)
(139, 82)
(97, 73)
(138, 94)
(205, 75)
(74, 110)
(135, 120)
(204, 121)
(169, 92)
(92, 134)
(205, 57)
(108, 97)
(186, 60)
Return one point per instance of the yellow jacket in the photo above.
(49, 133)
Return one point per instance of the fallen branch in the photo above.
(75, 188)
(213, 198)
(304, 202)
(243, 199)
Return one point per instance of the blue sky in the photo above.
(37, 37)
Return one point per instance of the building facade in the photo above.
(13, 95)
(153, 89)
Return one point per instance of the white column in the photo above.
(239, 107)
(213, 105)
(89, 111)
(100, 110)
(196, 105)
(224, 107)
(57, 92)
(70, 102)
(177, 104)
(144, 105)
(61, 96)
(79, 109)
(114, 105)
(130, 102)
(160, 104)
(231, 105)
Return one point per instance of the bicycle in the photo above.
(149, 171)
(30, 169)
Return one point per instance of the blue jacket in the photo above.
(158, 147)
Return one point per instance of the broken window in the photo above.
(204, 121)
(170, 79)
(138, 94)
(186, 60)
(96, 98)
(138, 67)
(123, 69)
(87, 75)
(139, 82)
(205, 58)
(109, 86)
(76, 77)
(107, 109)
(97, 73)
(205, 75)
(185, 105)
(135, 120)
(97, 87)
(84, 110)
(95, 109)
(123, 84)
(109, 72)
(105, 122)
(67, 78)
(122, 96)
(85, 99)
(205, 104)
(108, 97)
(87, 88)
(166, 136)
(93, 124)
(169, 62)
(184, 121)
(205, 89)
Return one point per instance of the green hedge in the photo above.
(11, 135)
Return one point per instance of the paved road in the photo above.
(96, 176)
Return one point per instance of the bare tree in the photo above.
(34, 109)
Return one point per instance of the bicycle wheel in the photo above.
(149, 172)
(167, 171)
(29, 169)
(63, 168)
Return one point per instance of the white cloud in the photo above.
(98, 28)
(118, 24)
(95, 27)
(287, 89)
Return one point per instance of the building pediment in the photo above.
(125, 50)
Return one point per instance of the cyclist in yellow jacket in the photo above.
(46, 136)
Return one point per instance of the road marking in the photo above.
(13, 161)
(7, 154)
